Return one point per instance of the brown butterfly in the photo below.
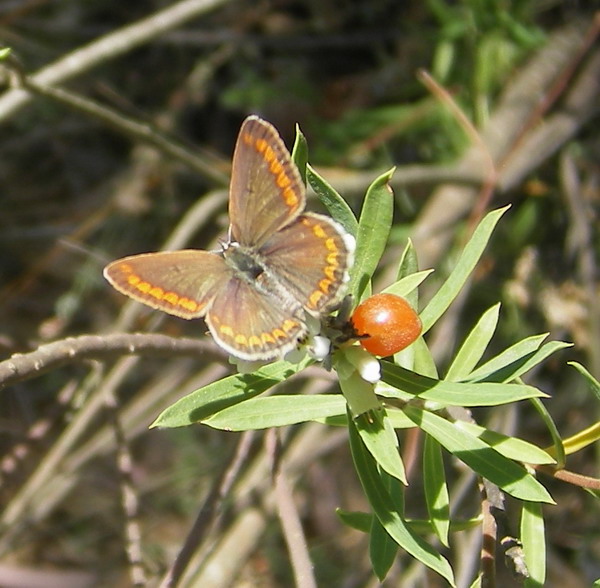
(278, 264)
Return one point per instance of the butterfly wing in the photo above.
(266, 191)
(254, 325)
(310, 258)
(182, 283)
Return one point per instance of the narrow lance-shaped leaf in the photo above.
(384, 508)
(459, 275)
(524, 364)
(300, 153)
(510, 447)
(336, 206)
(436, 489)
(214, 397)
(380, 439)
(484, 460)
(533, 538)
(509, 356)
(407, 286)
(373, 231)
(408, 383)
(475, 344)
(423, 359)
(594, 384)
(408, 266)
(382, 549)
(277, 411)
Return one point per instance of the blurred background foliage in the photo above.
(75, 194)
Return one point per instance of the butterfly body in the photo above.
(279, 263)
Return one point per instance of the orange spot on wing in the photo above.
(171, 298)
(324, 285)
(267, 338)
(314, 299)
(261, 145)
(290, 197)
(319, 232)
(276, 168)
(283, 181)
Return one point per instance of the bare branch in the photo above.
(58, 353)
(106, 48)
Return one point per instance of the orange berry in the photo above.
(388, 323)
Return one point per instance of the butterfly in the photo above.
(279, 266)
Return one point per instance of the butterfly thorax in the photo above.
(244, 261)
(250, 266)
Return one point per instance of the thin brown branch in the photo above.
(211, 512)
(100, 347)
(571, 477)
(108, 47)
(293, 533)
(12, 461)
(489, 537)
(203, 164)
(129, 495)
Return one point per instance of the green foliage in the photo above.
(404, 398)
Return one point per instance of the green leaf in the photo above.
(594, 384)
(436, 489)
(408, 266)
(520, 366)
(277, 411)
(384, 509)
(372, 235)
(380, 439)
(533, 538)
(334, 421)
(482, 458)
(423, 360)
(406, 384)
(382, 549)
(336, 206)
(509, 447)
(459, 275)
(558, 449)
(512, 355)
(407, 285)
(398, 419)
(474, 346)
(214, 397)
(361, 521)
(300, 153)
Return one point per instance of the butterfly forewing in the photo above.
(266, 191)
(182, 283)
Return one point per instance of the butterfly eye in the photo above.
(386, 323)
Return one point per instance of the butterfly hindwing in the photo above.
(254, 325)
(310, 258)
